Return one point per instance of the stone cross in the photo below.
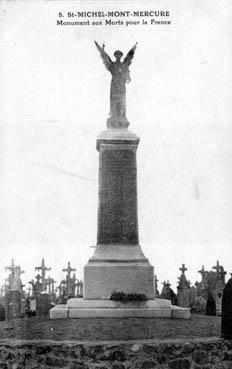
(70, 281)
(202, 272)
(183, 269)
(12, 267)
(15, 269)
(14, 277)
(217, 267)
(69, 269)
(43, 269)
(182, 279)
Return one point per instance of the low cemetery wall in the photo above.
(208, 353)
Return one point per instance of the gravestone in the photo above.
(183, 289)
(43, 305)
(226, 321)
(43, 269)
(168, 293)
(69, 282)
(14, 294)
(13, 305)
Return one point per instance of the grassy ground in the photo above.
(110, 329)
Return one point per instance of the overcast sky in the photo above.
(55, 101)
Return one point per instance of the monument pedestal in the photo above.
(102, 279)
(118, 263)
(81, 308)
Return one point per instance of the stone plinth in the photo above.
(102, 279)
(81, 308)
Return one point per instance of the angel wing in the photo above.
(130, 55)
(105, 57)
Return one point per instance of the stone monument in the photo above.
(42, 297)
(118, 264)
(14, 292)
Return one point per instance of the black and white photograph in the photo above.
(115, 184)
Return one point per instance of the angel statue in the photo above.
(120, 76)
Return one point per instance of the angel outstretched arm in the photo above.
(130, 55)
(105, 57)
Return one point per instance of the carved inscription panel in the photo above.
(117, 215)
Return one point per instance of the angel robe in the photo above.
(120, 76)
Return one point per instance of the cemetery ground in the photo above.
(108, 329)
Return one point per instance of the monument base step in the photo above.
(81, 308)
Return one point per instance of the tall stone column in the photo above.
(118, 263)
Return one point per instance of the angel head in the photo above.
(118, 55)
